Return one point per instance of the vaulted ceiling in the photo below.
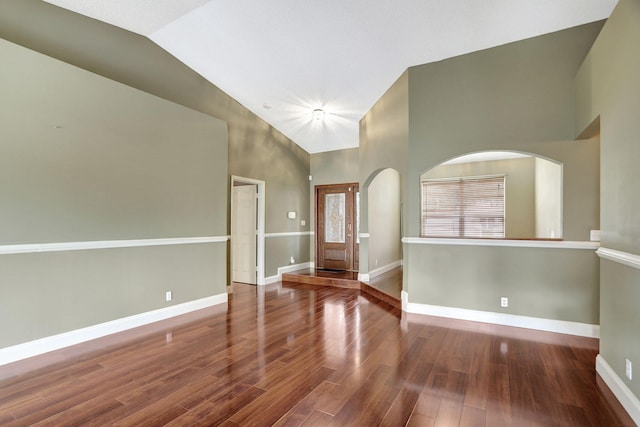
(282, 59)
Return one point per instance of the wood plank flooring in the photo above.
(291, 355)
(387, 287)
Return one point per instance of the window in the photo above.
(463, 207)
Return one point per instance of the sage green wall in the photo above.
(607, 86)
(50, 293)
(330, 167)
(519, 189)
(256, 150)
(335, 167)
(516, 97)
(282, 248)
(512, 97)
(122, 164)
(384, 137)
(385, 245)
(548, 199)
(89, 159)
(560, 284)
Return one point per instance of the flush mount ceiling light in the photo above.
(318, 114)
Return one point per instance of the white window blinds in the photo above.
(463, 207)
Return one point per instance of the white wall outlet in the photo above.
(168, 295)
(504, 302)
(292, 260)
(594, 235)
(303, 222)
(629, 369)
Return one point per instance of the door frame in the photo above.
(260, 222)
(316, 245)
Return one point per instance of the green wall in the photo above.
(607, 87)
(385, 246)
(50, 293)
(334, 167)
(548, 199)
(255, 149)
(384, 138)
(477, 277)
(513, 97)
(517, 97)
(128, 162)
(89, 159)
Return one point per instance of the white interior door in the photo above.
(243, 234)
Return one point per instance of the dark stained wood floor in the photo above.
(386, 287)
(314, 356)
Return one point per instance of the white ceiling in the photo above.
(284, 58)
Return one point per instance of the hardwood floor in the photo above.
(314, 356)
(387, 287)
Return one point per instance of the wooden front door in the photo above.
(337, 243)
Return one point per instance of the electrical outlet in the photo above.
(629, 369)
(292, 260)
(168, 295)
(504, 302)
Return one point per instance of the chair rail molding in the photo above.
(28, 248)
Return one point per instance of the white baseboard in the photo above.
(404, 297)
(625, 396)
(66, 339)
(381, 270)
(549, 325)
(365, 277)
(287, 269)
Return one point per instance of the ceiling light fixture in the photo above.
(318, 114)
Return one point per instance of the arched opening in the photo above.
(381, 243)
(493, 194)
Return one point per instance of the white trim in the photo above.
(289, 233)
(105, 244)
(381, 270)
(287, 269)
(549, 244)
(630, 260)
(550, 325)
(404, 297)
(364, 235)
(624, 395)
(66, 339)
(363, 277)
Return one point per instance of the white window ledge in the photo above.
(551, 244)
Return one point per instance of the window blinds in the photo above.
(463, 207)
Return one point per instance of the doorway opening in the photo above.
(247, 230)
(337, 227)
